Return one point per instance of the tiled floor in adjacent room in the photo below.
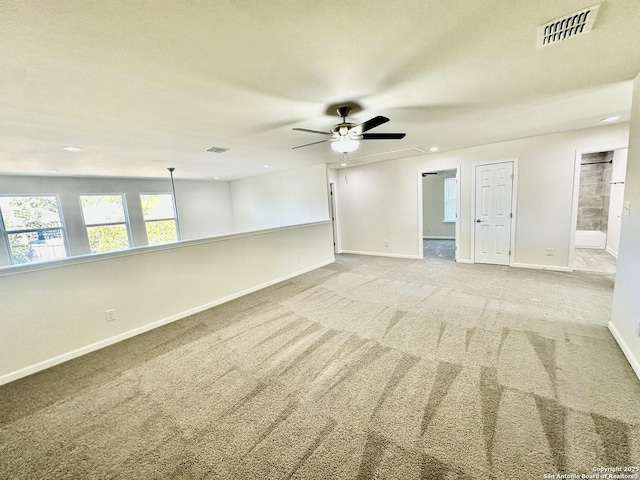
(436, 248)
(595, 261)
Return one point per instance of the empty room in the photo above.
(364, 240)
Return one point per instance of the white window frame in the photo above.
(5, 232)
(174, 218)
(450, 192)
(126, 222)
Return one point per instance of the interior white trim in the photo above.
(378, 254)
(333, 214)
(432, 237)
(23, 372)
(555, 268)
(576, 191)
(421, 236)
(628, 353)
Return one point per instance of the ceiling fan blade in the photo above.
(368, 125)
(312, 131)
(307, 144)
(383, 136)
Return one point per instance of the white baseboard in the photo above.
(464, 260)
(378, 254)
(554, 268)
(624, 346)
(23, 372)
(435, 237)
(614, 254)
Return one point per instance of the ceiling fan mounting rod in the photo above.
(344, 113)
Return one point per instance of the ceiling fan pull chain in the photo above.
(346, 166)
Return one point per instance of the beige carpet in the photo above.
(367, 368)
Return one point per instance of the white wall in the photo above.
(625, 317)
(204, 207)
(433, 224)
(380, 201)
(56, 312)
(280, 198)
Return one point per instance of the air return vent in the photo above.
(567, 27)
(217, 149)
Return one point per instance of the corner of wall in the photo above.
(625, 317)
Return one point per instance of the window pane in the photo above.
(107, 238)
(20, 213)
(449, 199)
(155, 207)
(36, 246)
(163, 231)
(102, 209)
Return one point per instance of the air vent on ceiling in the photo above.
(566, 27)
(217, 149)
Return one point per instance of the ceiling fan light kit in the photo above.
(345, 145)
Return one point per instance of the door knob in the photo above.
(478, 221)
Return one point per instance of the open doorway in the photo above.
(440, 200)
(599, 206)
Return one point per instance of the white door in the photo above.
(494, 185)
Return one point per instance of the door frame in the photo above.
(457, 169)
(333, 212)
(573, 225)
(514, 206)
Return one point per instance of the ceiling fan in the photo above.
(345, 136)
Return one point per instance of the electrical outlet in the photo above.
(109, 315)
(386, 243)
(299, 258)
(549, 252)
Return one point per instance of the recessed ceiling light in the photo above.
(72, 149)
(434, 149)
(343, 164)
(610, 119)
(266, 166)
(216, 178)
(52, 171)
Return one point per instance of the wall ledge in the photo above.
(23, 372)
(98, 257)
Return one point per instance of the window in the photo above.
(450, 199)
(32, 228)
(159, 218)
(106, 222)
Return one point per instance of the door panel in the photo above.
(494, 187)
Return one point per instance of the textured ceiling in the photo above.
(143, 85)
